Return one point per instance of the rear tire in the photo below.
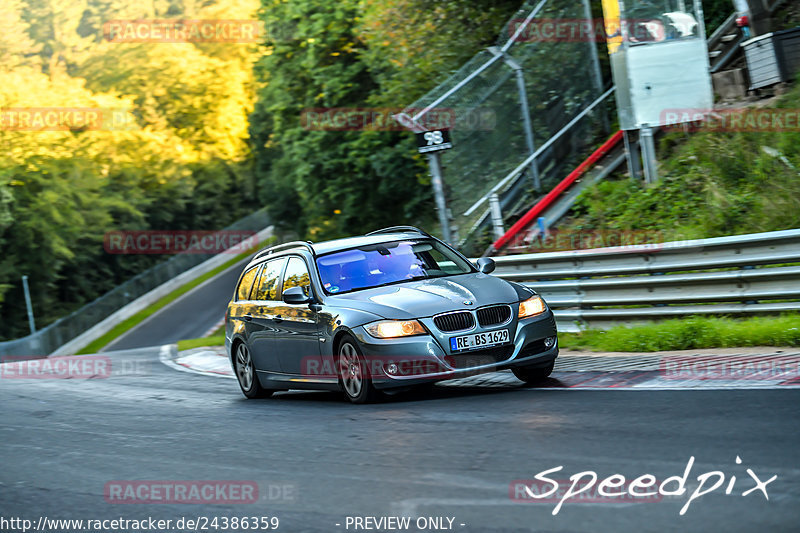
(246, 374)
(354, 378)
(533, 375)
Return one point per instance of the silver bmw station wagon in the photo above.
(390, 310)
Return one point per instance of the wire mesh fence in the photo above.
(49, 338)
(547, 66)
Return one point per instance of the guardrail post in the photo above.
(632, 156)
(648, 154)
(438, 190)
(597, 77)
(524, 110)
(497, 217)
(526, 122)
(28, 304)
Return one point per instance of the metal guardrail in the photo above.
(599, 288)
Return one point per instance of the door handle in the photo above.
(248, 317)
(277, 318)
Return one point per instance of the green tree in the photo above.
(354, 53)
(182, 161)
(327, 183)
(412, 45)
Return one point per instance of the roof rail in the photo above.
(398, 229)
(285, 246)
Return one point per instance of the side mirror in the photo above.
(296, 295)
(486, 265)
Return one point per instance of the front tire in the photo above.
(533, 375)
(246, 374)
(354, 378)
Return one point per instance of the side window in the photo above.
(436, 260)
(243, 291)
(297, 275)
(268, 281)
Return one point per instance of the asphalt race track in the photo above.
(451, 452)
(188, 317)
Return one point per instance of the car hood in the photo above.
(424, 298)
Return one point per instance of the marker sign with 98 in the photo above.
(431, 141)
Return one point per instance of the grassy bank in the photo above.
(713, 183)
(126, 325)
(690, 333)
(215, 339)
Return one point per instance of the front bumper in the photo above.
(422, 359)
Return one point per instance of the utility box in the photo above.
(788, 47)
(773, 58)
(659, 59)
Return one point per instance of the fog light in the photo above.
(549, 342)
(391, 368)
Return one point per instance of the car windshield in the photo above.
(386, 263)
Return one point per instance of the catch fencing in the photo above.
(529, 93)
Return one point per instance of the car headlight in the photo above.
(531, 307)
(389, 329)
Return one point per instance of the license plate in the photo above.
(479, 340)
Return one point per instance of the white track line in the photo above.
(214, 328)
(187, 363)
(165, 357)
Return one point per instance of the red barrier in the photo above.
(529, 217)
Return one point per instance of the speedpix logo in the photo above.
(584, 486)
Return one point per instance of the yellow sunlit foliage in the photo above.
(169, 141)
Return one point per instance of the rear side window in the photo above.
(268, 281)
(243, 291)
(297, 276)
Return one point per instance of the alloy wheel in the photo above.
(350, 370)
(244, 367)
